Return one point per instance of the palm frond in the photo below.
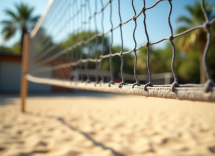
(190, 9)
(35, 19)
(186, 41)
(181, 29)
(24, 11)
(11, 14)
(184, 19)
(8, 32)
(5, 22)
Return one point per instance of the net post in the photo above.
(24, 82)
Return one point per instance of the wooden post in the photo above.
(24, 82)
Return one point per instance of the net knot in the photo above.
(111, 29)
(121, 54)
(147, 44)
(95, 13)
(134, 50)
(171, 38)
(144, 9)
(121, 84)
(110, 1)
(134, 17)
(135, 84)
(209, 85)
(207, 25)
(111, 82)
(174, 84)
(148, 84)
(120, 24)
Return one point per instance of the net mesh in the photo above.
(72, 42)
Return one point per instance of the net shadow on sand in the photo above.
(78, 93)
(62, 121)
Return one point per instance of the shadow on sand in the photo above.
(78, 93)
(8, 99)
(62, 121)
(13, 98)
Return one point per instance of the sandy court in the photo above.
(100, 124)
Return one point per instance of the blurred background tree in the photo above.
(197, 37)
(85, 48)
(19, 20)
(189, 49)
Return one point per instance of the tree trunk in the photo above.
(202, 43)
(24, 31)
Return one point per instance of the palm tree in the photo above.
(198, 37)
(21, 19)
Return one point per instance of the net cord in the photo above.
(39, 23)
(187, 92)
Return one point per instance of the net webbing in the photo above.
(70, 38)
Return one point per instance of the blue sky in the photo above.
(156, 20)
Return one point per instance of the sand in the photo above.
(98, 124)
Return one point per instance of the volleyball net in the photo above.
(74, 43)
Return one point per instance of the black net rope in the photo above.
(77, 16)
